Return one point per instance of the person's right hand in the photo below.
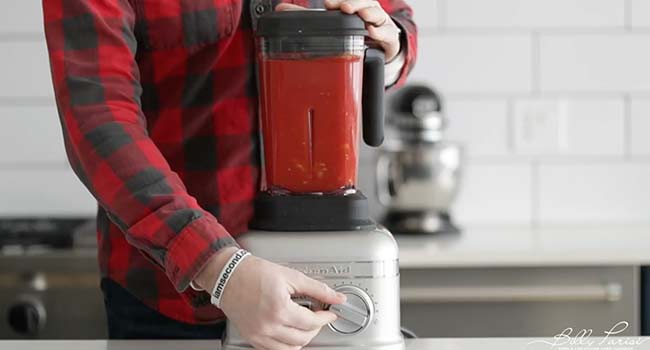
(257, 300)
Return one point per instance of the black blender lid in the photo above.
(310, 23)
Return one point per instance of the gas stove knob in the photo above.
(27, 316)
(355, 314)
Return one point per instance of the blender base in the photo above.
(362, 264)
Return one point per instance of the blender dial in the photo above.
(355, 314)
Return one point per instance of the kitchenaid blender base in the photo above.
(361, 264)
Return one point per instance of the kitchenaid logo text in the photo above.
(325, 270)
(570, 339)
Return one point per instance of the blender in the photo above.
(319, 84)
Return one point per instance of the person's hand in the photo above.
(257, 300)
(381, 27)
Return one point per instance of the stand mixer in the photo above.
(317, 79)
(419, 171)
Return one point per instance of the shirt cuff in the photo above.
(393, 69)
(192, 249)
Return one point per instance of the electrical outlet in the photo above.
(540, 126)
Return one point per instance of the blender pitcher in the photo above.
(317, 80)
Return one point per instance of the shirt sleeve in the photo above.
(91, 46)
(402, 14)
(393, 69)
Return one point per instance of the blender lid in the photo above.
(310, 23)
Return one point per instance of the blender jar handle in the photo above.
(373, 97)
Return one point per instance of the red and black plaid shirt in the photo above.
(158, 104)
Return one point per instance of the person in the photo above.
(158, 105)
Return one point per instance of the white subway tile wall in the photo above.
(25, 17)
(25, 69)
(590, 57)
(589, 126)
(601, 192)
(595, 127)
(30, 135)
(640, 13)
(640, 126)
(613, 62)
(482, 64)
(426, 13)
(496, 193)
(535, 13)
(479, 124)
(53, 191)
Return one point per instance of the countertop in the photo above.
(631, 343)
(490, 247)
(525, 247)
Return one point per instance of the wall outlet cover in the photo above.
(540, 127)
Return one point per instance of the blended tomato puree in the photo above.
(310, 118)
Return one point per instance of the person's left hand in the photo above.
(381, 27)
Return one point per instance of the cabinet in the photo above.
(51, 296)
(519, 301)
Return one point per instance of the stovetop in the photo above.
(59, 233)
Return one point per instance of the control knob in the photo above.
(355, 314)
(27, 316)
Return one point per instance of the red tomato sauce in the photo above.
(310, 111)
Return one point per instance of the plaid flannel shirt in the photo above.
(158, 105)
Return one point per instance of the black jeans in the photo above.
(128, 318)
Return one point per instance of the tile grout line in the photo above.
(535, 65)
(510, 127)
(27, 101)
(535, 194)
(547, 93)
(22, 37)
(31, 166)
(627, 15)
(558, 159)
(627, 126)
(442, 19)
(553, 31)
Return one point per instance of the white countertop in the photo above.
(631, 343)
(524, 247)
(479, 247)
